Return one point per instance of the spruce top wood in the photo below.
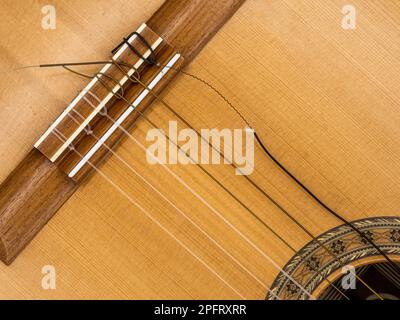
(323, 99)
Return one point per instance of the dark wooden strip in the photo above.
(29, 197)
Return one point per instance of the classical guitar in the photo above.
(193, 149)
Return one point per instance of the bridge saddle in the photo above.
(97, 118)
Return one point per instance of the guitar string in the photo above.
(131, 168)
(153, 125)
(181, 71)
(329, 251)
(98, 62)
(155, 62)
(137, 80)
(261, 190)
(269, 154)
(393, 266)
(202, 169)
(194, 193)
(153, 219)
(96, 75)
(120, 95)
(325, 248)
(58, 134)
(266, 151)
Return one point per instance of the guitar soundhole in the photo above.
(310, 266)
(378, 276)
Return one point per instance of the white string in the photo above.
(182, 213)
(205, 202)
(57, 133)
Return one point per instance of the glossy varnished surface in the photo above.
(324, 100)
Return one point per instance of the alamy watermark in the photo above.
(349, 279)
(49, 17)
(49, 277)
(349, 20)
(228, 146)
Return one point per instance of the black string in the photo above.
(338, 216)
(149, 60)
(335, 214)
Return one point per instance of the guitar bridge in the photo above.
(116, 96)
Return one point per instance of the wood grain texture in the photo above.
(198, 21)
(325, 101)
(29, 197)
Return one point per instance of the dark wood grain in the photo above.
(29, 197)
(188, 25)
